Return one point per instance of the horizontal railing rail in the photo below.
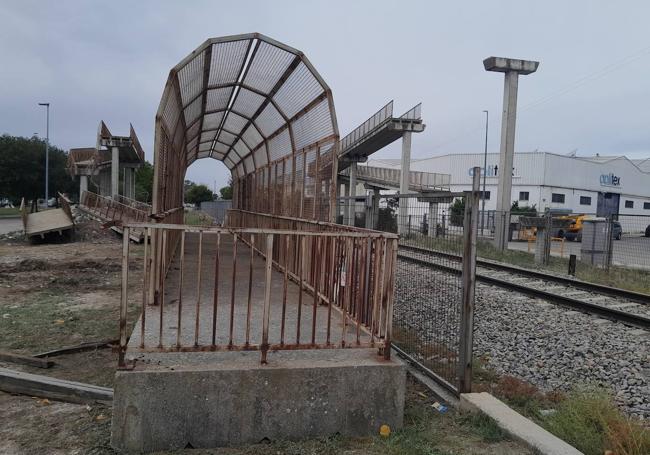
(262, 288)
(379, 118)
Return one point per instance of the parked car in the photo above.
(617, 230)
(647, 231)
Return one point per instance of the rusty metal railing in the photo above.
(111, 209)
(263, 288)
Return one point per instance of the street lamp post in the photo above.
(47, 152)
(487, 117)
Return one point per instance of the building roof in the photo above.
(246, 100)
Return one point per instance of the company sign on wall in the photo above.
(610, 180)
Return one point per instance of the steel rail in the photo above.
(569, 302)
(583, 285)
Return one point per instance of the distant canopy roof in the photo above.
(246, 100)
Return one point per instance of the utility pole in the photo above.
(512, 69)
(487, 117)
(47, 152)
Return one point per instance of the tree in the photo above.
(226, 191)
(457, 210)
(524, 209)
(144, 182)
(198, 193)
(22, 172)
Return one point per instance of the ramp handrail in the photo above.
(375, 121)
(344, 279)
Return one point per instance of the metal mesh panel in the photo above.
(248, 162)
(193, 131)
(300, 88)
(226, 62)
(299, 182)
(234, 123)
(212, 121)
(221, 148)
(269, 120)
(313, 125)
(280, 146)
(252, 137)
(208, 137)
(260, 156)
(310, 162)
(226, 137)
(268, 66)
(171, 113)
(190, 79)
(193, 111)
(218, 99)
(242, 150)
(247, 102)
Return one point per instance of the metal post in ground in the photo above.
(470, 234)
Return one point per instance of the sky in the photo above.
(109, 61)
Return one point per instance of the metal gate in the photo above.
(435, 276)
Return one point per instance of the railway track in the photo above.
(627, 307)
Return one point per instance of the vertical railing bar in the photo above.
(360, 268)
(285, 284)
(381, 286)
(250, 289)
(198, 290)
(145, 286)
(232, 290)
(301, 253)
(334, 243)
(162, 286)
(215, 298)
(366, 279)
(124, 297)
(317, 260)
(267, 297)
(389, 302)
(180, 291)
(346, 293)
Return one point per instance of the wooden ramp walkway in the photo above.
(53, 220)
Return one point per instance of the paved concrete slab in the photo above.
(516, 425)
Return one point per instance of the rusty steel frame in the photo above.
(351, 271)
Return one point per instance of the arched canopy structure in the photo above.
(261, 108)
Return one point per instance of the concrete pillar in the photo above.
(433, 219)
(504, 189)
(402, 218)
(512, 68)
(375, 209)
(115, 172)
(83, 185)
(346, 203)
(353, 193)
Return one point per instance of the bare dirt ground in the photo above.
(56, 295)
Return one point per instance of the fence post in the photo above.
(470, 231)
(267, 297)
(124, 297)
(610, 242)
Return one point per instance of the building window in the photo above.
(557, 197)
(646, 206)
(487, 195)
(585, 200)
(524, 195)
(629, 204)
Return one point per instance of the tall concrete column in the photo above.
(83, 185)
(346, 203)
(375, 209)
(512, 69)
(115, 172)
(353, 193)
(404, 183)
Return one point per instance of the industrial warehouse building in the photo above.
(596, 185)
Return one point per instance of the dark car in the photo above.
(647, 231)
(617, 230)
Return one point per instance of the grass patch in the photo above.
(590, 421)
(197, 218)
(42, 322)
(485, 426)
(9, 212)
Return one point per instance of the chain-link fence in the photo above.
(433, 308)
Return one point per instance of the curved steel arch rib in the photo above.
(261, 108)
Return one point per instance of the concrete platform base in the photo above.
(213, 399)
